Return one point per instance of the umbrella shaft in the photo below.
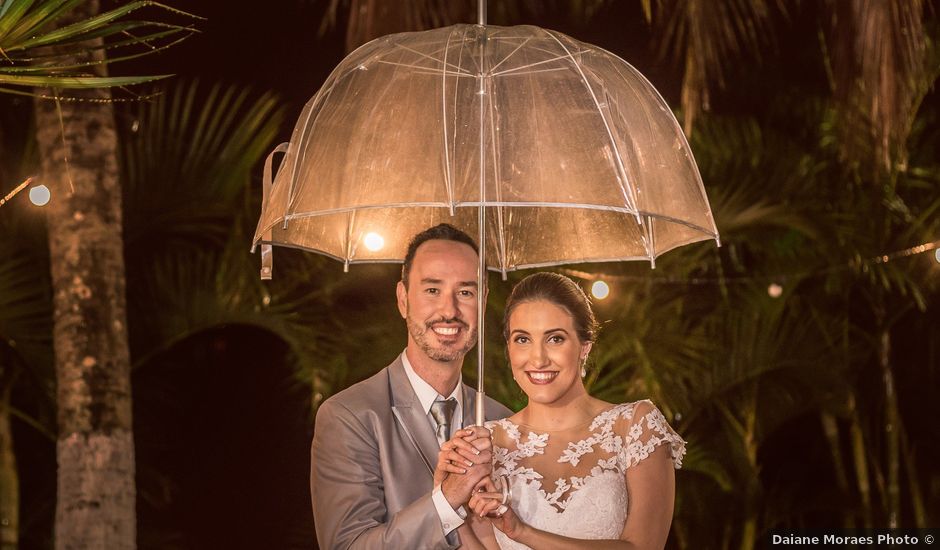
(481, 301)
(481, 221)
(481, 12)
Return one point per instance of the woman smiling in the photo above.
(583, 472)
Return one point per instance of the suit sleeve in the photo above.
(347, 491)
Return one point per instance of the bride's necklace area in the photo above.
(585, 416)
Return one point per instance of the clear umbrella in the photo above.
(573, 154)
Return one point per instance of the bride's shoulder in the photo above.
(643, 425)
(626, 415)
(631, 410)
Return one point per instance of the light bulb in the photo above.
(600, 290)
(39, 195)
(774, 290)
(373, 241)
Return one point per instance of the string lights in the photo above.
(38, 195)
(600, 290)
(774, 289)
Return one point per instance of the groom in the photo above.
(375, 444)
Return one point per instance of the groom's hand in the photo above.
(455, 457)
(457, 489)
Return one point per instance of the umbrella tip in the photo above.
(267, 262)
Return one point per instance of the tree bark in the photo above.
(96, 486)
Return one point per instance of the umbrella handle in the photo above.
(480, 418)
(501, 481)
(267, 257)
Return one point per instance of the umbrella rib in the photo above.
(687, 147)
(613, 143)
(422, 54)
(448, 184)
(350, 220)
(651, 248)
(430, 70)
(316, 105)
(510, 54)
(491, 102)
(523, 67)
(527, 73)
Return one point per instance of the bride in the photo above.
(583, 472)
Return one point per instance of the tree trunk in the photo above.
(831, 429)
(913, 483)
(892, 425)
(9, 482)
(78, 146)
(861, 466)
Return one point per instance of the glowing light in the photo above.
(774, 290)
(600, 290)
(373, 241)
(936, 254)
(40, 195)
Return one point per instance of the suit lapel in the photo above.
(408, 412)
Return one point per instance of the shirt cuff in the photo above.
(450, 518)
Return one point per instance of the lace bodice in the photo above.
(572, 482)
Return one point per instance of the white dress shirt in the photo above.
(450, 518)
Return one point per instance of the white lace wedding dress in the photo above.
(572, 482)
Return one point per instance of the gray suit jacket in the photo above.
(372, 464)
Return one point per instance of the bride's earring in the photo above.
(583, 367)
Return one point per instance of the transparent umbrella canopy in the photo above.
(570, 151)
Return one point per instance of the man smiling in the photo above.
(375, 444)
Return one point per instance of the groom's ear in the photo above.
(402, 294)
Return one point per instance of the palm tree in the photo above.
(60, 44)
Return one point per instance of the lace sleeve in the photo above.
(647, 429)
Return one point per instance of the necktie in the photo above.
(442, 411)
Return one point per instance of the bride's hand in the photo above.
(460, 452)
(481, 437)
(487, 502)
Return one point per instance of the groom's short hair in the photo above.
(443, 232)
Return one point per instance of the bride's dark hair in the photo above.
(559, 290)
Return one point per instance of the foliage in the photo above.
(29, 27)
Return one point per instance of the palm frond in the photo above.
(29, 28)
(188, 164)
(707, 37)
(883, 65)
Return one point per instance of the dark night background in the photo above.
(222, 420)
